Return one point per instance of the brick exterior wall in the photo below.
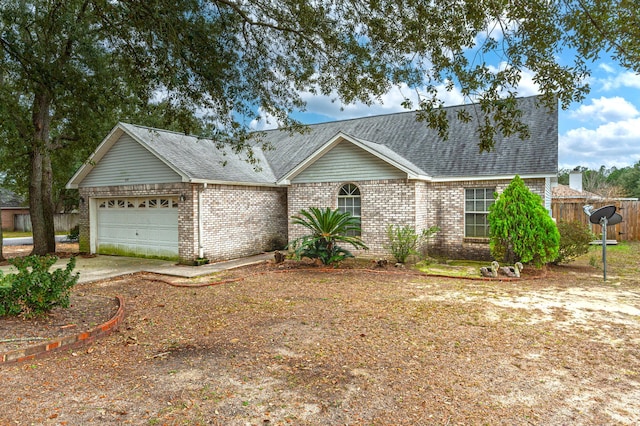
(240, 221)
(383, 202)
(237, 221)
(401, 202)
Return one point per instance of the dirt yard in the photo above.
(302, 346)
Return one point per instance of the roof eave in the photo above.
(311, 159)
(234, 183)
(411, 174)
(107, 143)
(95, 157)
(492, 177)
(183, 175)
(335, 140)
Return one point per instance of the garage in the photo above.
(146, 226)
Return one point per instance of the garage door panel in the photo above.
(138, 227)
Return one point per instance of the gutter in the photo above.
(200, 226)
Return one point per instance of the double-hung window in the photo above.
(476, 211)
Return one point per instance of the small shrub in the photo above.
(328, 228)
(315, 248)
(574, 240)
(277, 242)
(74, 234)
(34, 291)
(404, 241)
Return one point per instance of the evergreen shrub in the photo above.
(521, 229)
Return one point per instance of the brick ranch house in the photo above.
(151, 192)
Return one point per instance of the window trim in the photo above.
(487, 201)
(352, 192)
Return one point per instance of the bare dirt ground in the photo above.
(302, 346)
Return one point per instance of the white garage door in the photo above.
(138, 226)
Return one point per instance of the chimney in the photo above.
(575, 180)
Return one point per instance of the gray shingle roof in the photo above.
(200, 159)
(421, 146)
(10, 199)
(398, 138)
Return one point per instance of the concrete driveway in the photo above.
(104, 267)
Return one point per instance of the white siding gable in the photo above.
(346, 161)
(129, 163)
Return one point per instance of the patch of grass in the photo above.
(15, 234)
(452, 269)
(624, 247)
(474, 263)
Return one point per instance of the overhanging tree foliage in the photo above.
(521, 229)
(69, 69)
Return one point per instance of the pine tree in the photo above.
(521, 228)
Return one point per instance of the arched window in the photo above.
(349, 201)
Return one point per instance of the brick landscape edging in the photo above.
(68, 342)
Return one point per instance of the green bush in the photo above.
(74, 234)
(34, 291)
(328, 228)
(574, 240)
(521, 229)
(404, 241)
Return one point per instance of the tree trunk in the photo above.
(40, 207)
(1, 242)
(35, 203)
(47, 201)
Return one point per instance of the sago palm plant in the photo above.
(328, 228)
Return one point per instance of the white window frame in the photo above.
(476, 208)
(350, 200)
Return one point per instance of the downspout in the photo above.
(200, 247)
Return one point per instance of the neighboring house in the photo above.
(157, 193)
(566, 194)
(572, 193)
(11, 206)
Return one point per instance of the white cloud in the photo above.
(605, 110)
(526, 85)
(607, 68)
(265, 122)
(624, 79)
(611, 144)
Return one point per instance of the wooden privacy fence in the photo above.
(63, 222)
(627, 230)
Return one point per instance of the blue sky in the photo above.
(604, 129)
